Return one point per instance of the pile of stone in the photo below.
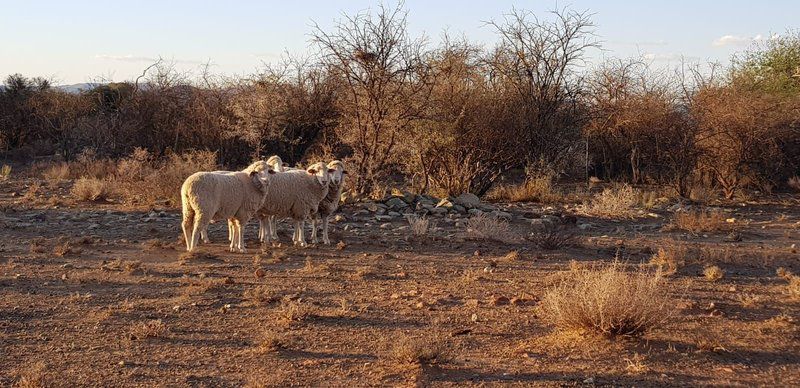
(402, 204)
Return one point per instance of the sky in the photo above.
(83, 41)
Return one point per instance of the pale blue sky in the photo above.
(78, 41)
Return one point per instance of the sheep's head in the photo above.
(336, 171)
(277, 163)
(320, 170)
(260, 177)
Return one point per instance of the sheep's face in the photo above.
(337, 172)
(320, 171)
(261, 178)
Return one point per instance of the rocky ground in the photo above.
(101, 294)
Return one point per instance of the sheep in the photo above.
(234, 196)
(295, 194)
(268, 225)
(331, 201)
(204, 233)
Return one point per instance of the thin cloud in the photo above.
(134, 58)
(739, 41)
(669, 57)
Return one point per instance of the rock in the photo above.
(459, 209)
(733, 237)
(386, 226)
(474, 212)
(339, 218)
(394, 214)
(94, 226)
(502, 215)
(445, 203)
(538, 225)
(439, 211)
(371, 206)
(396, 203)
(467, 200)
(381, 218)
(586, 226)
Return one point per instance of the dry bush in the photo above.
(670, 258)
(144, 179)
(617, 202)
(260, 295)
(784, 273)
(418, 351)
(150, 329)
(35, 375)
(271, 340)
(699, 221)
(56, 172)
(33, 191)
(65, 248)
(91, 189)
(5, 172)
(483, 227)
(38, 245)
(293, 311)
(713, 273)
(708, 342)
(420, 226)
(793, 288)
(607, 300)
(749, 300)
(552, 238)
(537, 189)
(702, 194)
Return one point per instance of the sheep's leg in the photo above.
(200, 222)
(273, 227)
(186, 225)
(261, 230)
(298, 227)
(314, 239)
(204, 236)
(233, 233)
(325, 239)
(239, 225)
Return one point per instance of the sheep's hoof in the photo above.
(326, 242)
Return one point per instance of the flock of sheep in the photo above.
(267, 190)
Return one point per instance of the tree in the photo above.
(380, 68)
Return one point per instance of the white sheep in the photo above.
(248, 169)
(268, 226)
(295, 194)
(233, 196)
(330, 203)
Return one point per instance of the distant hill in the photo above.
(77, 88)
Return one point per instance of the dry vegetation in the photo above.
(608, 300)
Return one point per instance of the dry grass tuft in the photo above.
(420, 226)
(32, 192)
(418, 351)
(271, 340)
(291, 311)
(150, 329)
(539, 189)
(749, 300)
(512, 256)
(483, 227)
(65, 248)
(91, 189)
(620, 201)
(636, 364)
(5, 172)
(607, 300)
(670, 258)
(38, 245)
(34, 376)
(552, 238)
(713, 273)
(793, 288)
(707, 342)
(260, 295)
(699, 221)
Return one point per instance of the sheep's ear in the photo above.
(271, 171)
(344, 172)
(253, 173)
(312, 171)
(284, 164)
(331, 170)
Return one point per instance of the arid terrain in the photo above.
(99, 294)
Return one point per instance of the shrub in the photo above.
(418, 351)
(483, 227)
(552, 238)
(146, 180)
(91, 189)
(607, 300)
(5, 172)
(537, 189)
(794, 183)
(670, 259)
(699, 221)
(420, 226)
(713, 273)
(616, 202)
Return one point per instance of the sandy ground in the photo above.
(95, 294)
